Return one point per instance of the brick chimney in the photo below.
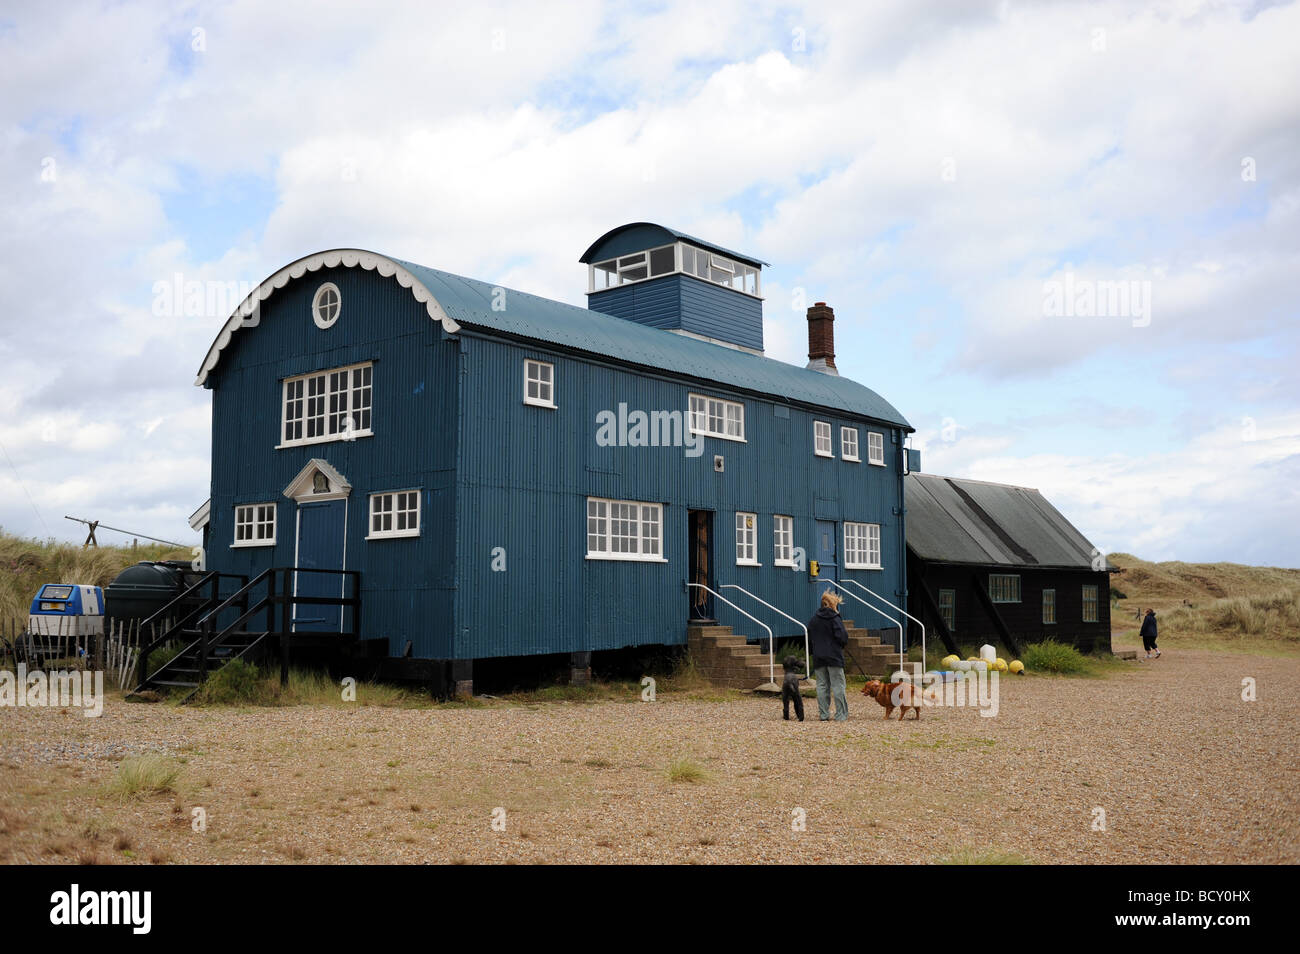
(821, 339)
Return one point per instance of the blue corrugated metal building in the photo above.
(514, 476)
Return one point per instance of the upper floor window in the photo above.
(1049, 606)
(783, 540)
(255, 525)
(395, 514)
(849, 443)
(1090, 604)
(1004, 588)
(822, 439)
(539, 383)
(624, 530)
(875, 448)
(862, 546)
(679, 257)
(746, 533)
(326, 305)
(715, 417)
(327, 406)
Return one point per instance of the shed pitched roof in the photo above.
(456, 300)
(950, 520)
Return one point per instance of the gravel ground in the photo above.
(1183, 768)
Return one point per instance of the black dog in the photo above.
(790, 688)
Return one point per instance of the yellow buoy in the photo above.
(1017, 667)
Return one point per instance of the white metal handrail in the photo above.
(771, 643)
(807, 659)
(902, 662)
(901, 610)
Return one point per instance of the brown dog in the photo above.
(894, 695)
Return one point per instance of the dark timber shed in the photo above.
(995, 563)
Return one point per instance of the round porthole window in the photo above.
(327, 304)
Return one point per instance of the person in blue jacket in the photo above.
(827, 638)
(1149, 634)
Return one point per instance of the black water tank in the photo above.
(141, 590)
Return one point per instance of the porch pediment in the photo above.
(318, 481)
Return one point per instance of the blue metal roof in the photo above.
(469, 302)
(665, 234)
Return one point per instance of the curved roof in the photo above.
(455, 301)
(653, 235)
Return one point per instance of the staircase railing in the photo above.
(902, 661)
(901, 610)
(807, 657)
(771, 641)
(213, 579)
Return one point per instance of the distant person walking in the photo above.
(1149, 634)
(827, 638)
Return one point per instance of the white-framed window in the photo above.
(783, 540)
(1090, 604)
(624, 530)
(255, 525)
(678, 258)
(876, 448)
(333, 405)
(714, 417)
(849, 443)
(1004, 588)
(539, 383)
(746, 537)
(394, 513)
(822, 439)
(948, 609)
(861, 546)
(1049, 606)
(326, 305)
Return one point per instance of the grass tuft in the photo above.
(984, 856)
(149, 774)
(686, 770)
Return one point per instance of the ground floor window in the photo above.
(624, 530)
(1049, 606)
(862, 546)
(255, 525)
(1004, 588)
(948, 609)
(783, 540)
(1090, 604)
(395, 514)
(746, 532)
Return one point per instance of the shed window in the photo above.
(783, 540)
(327, 406)
(1004, 588)
(395, 514)
(715, 417)
(849, 443)
(1090, 604)
(876, 448)
(255, 525)
(948, 609)
(539, 383)
(822, 439)
(746, 532)
(326, 305)
(1049, 606)
(624, 530)
(862, 546)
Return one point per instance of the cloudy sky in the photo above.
(969, 184)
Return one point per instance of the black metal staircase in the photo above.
(263, 619)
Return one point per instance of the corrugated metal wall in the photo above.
(408, 583)
(692, 304)
(526, 473)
